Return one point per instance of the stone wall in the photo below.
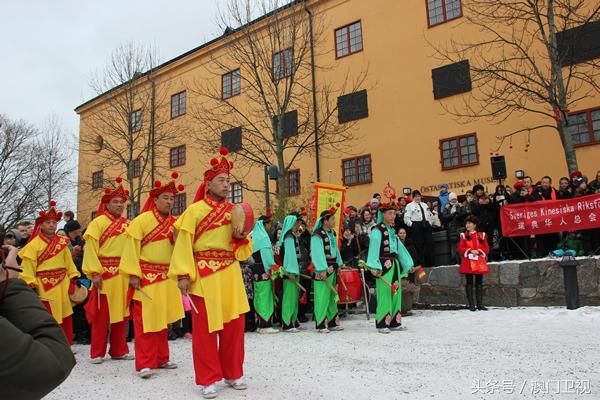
(514, 283)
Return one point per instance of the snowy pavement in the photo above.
(517, 353)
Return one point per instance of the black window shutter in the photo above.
(353, 106)
(290, 123)
(580, 44)
(232, 139)
(451, 79)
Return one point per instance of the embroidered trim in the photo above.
(211, 261)
(110, 266)
(117, 226)
(164, 229)
(55, 246)
(51, 279)
(217, 217)
(153, 272)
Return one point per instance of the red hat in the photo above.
(575, 174)
(118, 193)
(160, 188)
(518, 185)
(43, 216)
(216, 168)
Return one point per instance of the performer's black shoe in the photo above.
(302, 318)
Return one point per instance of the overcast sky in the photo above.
(51, 48)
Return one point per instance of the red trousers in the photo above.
(100, 327)
(152, 348)
(220, 354)
(66, 326)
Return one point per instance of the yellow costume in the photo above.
(147, 253)
(103, 250)
(213, 267)
(48, 266)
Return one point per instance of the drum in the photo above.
(242, 217)
(352, 292)
(79, 295)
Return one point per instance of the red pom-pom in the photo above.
(302, 209)
(42, 213)
(157, 184)
(332, 211)
(119, 180)
(175, 175)
(393, 196)
(180, 187)
(59, 215)
(304, 214)
(224, 151)
(268, 209)
(107, 190)
(127, 193)
(269, 215)
(337, 205)
(214, 162)
(52, 203)
(230, 164)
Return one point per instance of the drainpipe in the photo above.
(314, 89)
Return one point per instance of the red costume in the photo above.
(472, 241)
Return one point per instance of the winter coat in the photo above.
(453, 218)
(471, 241)
(34, 354)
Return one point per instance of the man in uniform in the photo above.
(206, 263)
(108, 305)
(145, 260)
(49, 269)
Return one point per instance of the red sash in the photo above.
(54, 246)
(153, 273)
(116, 227)
(211, 261)
(110, 266)
(162, 231)
(219, 216)
(51, 279)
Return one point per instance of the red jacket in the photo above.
(472, 241)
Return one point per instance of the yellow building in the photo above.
(402, 132)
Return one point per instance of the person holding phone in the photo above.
(34, 354)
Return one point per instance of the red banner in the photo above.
(551, 216)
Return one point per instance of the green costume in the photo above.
(388, 255)
(326, 258)
(290, 247)
(264, 259)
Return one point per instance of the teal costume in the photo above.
(388, 255)
(326, 258)
(290, 249)
(264, 259)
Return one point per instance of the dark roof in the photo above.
(228, 31)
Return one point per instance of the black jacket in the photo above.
(34, 354)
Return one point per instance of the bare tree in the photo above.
(522, 62)
(52, 160)
(132, 121)
(284, 113)
(20, 178)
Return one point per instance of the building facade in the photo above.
(402, 131)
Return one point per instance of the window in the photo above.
(290, 123)
(135, 121)
(133, 210)
(439, 11)
(177, 157)
(97, 179)
(584, 127)
(136, 168)
(232, 139)
(93, 215)
(293, 182)
(451, 79)
(352, 106)
(179, 204)
(231, 84)
(357, 170)
(348, 40)
(579, 44)
(236, 194)
(283, 64)
(459, 151)
(178, 104)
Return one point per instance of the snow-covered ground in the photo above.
(517, 353)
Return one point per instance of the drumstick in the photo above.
(299, 285)
(144, 293)
(192, 303)
(342, 282)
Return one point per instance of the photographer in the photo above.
(34, 354)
